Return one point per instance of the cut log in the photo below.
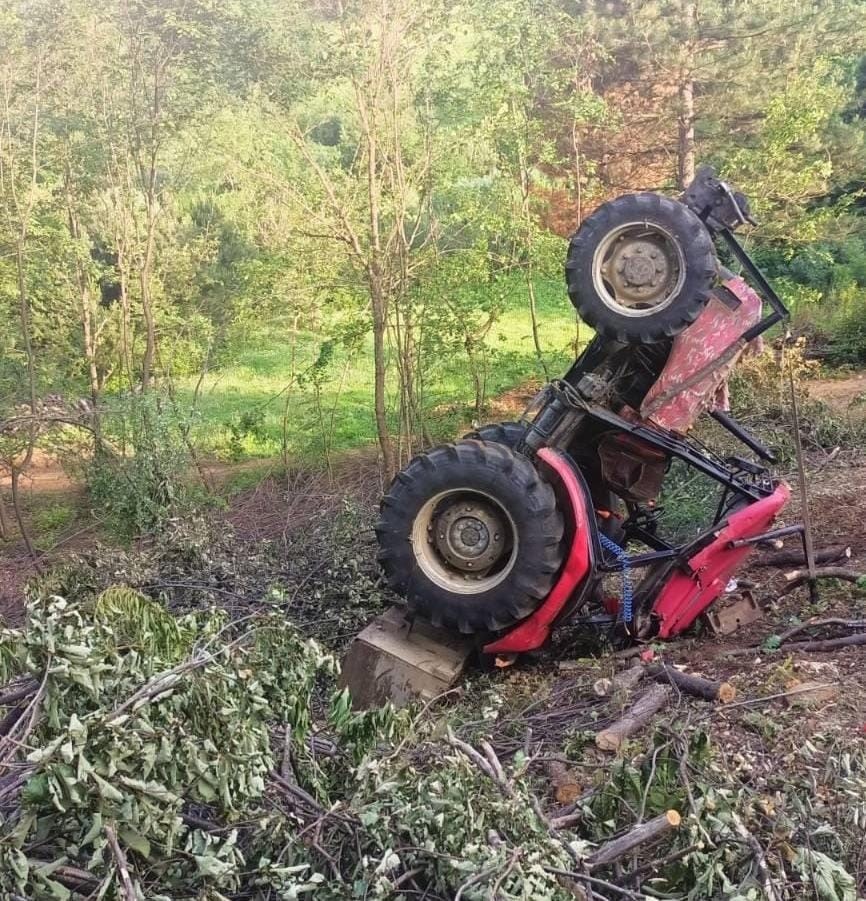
(564, 780)
(797, 577)
(693, 685)
(795, 558)
(634, 838)
(635, 718)
(621, 681)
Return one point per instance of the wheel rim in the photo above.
(638, 269)
(464, 541)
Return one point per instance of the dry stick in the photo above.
(594, 880)
(32, 712)
(635, 718)
(760, 857)
(656, 865)
(780, 694)
(819, 623)
(827, 644)
(808, 545)
(622, 681)
(120, 860)
(634, 838)
(723, 692)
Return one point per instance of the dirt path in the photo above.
(846, 395)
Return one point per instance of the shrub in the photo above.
(138, 480)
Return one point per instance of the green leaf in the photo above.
(134, 840)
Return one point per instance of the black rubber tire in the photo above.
(511, 434)
(517, 486)
(698, 253)
(508, 433)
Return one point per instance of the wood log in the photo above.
(634, 719)
(621, 681)
(693, 685)
(797, 577)
(823, 556)
(564, 781)
(634, 838)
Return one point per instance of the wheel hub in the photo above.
(469, 535)
(639, 268)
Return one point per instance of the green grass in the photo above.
(241, 405)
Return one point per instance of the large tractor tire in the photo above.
(508, 433)
(470, 535)
(640, 268)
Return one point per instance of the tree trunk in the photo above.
(125, 316)
(686, 136)
(686, 97)
(149, 320)
(4, 523)
(19, 512)
(377, 300)
(88, 317)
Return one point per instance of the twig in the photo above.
(120, 860)
(760, 857)
(781, 694)
(594, 880)
(512, 861)
(168, 680)
(482, 762)
(819, 623)
(474, 880)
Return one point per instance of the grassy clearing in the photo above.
(242, 405)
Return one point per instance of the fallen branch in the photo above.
(827, 644)
(760, 858)
(780, 694)
(635, 718)
(622, 681)
(122, 867)
(797, 577)
(821, 623)
(821, 644)
(796, 558)
(18, 692)
(634, 838)
(723, 692)
(74, 878)
(594, 880)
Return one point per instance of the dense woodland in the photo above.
(368, 200)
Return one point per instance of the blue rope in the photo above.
(622, 558)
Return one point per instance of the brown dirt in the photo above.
(846, 395)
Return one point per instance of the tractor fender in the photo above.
(687, 594)
(532, 632)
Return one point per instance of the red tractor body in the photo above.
(513, 530)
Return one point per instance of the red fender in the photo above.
(687, 594)
(535, 629)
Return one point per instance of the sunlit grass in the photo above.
(257, 383)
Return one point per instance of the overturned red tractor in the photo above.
(512, 530)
